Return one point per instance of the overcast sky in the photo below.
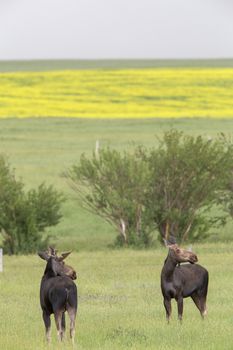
(31, 29)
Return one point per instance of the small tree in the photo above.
(187, 176)
(25, 215)
(171, 188)
(112, 185)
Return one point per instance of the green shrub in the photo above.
(188, 175)
(171, 188)
(112, 185)
(25, 215)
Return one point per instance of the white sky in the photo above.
(31, 29)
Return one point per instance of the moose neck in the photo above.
(169, 267)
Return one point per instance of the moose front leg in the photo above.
(168, 308)
(47, 322)
(180, 307)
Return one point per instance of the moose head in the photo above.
(181, 255)
(56, 265)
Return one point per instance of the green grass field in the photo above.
(41, 149)
(120, 303)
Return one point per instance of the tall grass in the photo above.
(120, 303)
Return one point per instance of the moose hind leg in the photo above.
(58, 320)
(203, 308)
(72, 315)
(200, 302)
(63, 324)
(47, 322)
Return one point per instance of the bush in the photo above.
(171, 188)
(25, 215)
(187, 176)
(112, 185)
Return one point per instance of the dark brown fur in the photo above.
(182, 281)
(58, 293)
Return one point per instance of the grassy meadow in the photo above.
(40, 149)
(120, 303)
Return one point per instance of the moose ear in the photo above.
(171, 241)
(43, 255)
(64, 255)
(168, 244)
(52, 251)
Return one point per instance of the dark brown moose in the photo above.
(58, 293)
(182, 281)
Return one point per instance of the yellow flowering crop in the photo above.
(129, 93)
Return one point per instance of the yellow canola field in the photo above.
(130, 93)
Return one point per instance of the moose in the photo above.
(58, 293)
(182, 281)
